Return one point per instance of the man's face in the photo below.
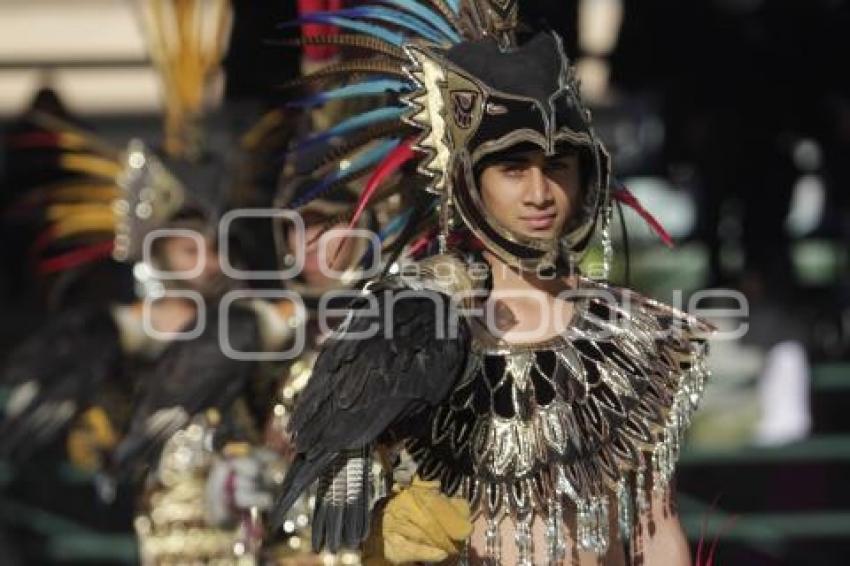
(531, 194)
(181, 253)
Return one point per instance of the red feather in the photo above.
(625, 196)
(76, 258)
(422, 243)
(44, 239)
(391, 163)
(726, 526)
(318, 52)
(30, 140)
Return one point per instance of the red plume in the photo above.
(626, 197)
(708, 560)
(391, 163)
(421, 244)
(33, 140)
(318, 52)
(75, 258)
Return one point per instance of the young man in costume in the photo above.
(541, 411)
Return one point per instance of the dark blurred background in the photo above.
(729, 119)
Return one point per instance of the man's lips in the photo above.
(539, 221)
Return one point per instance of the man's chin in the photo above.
(537, 234)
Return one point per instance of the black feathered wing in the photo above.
(54, 376)
(189, 378)
(395, 357)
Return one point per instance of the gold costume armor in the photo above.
(172, 526)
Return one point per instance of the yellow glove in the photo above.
(418, 524)
(90, 438)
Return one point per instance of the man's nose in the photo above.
(537, 191)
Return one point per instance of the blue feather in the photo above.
(354, 123)
(454, 5)
(368, 88)
(433, 18)
(366, 159)
(331, 18)
(395, 225)
(394, 17)
(398, 222)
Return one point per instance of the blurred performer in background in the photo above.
(32, 173)
(195, 405)
(330, 264)
(535, 430)
(329, 278)
(107, 204)
(70, 381)
(70, 387)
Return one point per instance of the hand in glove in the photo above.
(418, 524)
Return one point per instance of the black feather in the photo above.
(301, 475)
(363, 389)
(357, 523)
(343, 521)
(347, 40)
(54, 376)
(317, 537)
(346, 70)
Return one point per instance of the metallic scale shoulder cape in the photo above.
(522, 431)
(591, 414)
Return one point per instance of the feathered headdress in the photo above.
(103, 200)
(186, 41)
(109, 197)
(456, 88)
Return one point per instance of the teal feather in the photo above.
(433, 18)
(370, 88)
(355, 123)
